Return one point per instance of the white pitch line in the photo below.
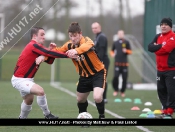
(57, 86)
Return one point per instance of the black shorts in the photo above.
(86, 84)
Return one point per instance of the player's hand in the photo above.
(39, 60)
(124, 50)
(72, 53)
(52, 46)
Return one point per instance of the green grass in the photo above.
(65, 106)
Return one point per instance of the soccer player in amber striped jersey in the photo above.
(88, 65)
(23, 77)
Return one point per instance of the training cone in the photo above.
(148, 104)
(143, 115)
(127, 100)
(150, 116)
(157, 112)
(150, 112)
(135, 108)
(146, 110)
(118, 100)
(137, 101)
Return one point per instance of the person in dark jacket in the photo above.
(101, 47)
(163, 45)
(120, 50)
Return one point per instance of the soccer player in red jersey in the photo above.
(24, 72)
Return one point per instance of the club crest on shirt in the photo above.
(163, 43)
(80, 58)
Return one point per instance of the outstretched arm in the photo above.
(41, 50)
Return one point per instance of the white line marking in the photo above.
(57, 86)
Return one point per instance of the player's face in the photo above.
(75, 37)
(165, 28)
(95, 28)
(40, 37)
(120, 34)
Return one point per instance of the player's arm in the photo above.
(41, 50)
(112, 53)
(128, 48)
(49, 60)
(101, 47)
(167, 48)
(153, 46)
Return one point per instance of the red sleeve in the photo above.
(41, 50)
(167, 48)
(49, 60)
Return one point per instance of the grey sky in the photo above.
(136, 7)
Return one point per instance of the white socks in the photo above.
(25, 109)
(42, 102)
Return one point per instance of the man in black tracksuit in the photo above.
(101, 47)
(163, 45)
(120, 50)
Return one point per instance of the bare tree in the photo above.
(101, 11)
(128, 21)
(122, 25)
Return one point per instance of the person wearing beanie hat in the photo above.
(163, 45)
(167, 21)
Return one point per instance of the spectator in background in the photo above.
(101, 47)
(163, 45)
(120, 50)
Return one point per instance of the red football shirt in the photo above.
(26, 66)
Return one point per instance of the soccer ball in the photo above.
(84, 115)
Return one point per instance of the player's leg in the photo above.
(26, 106)
(42, 101)
(105, 92)
(98, 97)
(23, 85)
(106, 63)
(162, 92)
(124, 80)
(170, 83)
(83, 90)
(99, 80)
(82, 102)
(115, 81)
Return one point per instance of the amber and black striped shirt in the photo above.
(87, 63)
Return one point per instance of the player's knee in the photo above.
(81, 100)
(29, 102)
(41, 92)
(98, 99)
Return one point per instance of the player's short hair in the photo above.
(35, 30)
(74, 28)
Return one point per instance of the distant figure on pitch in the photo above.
(120, 50)
(101, 47)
